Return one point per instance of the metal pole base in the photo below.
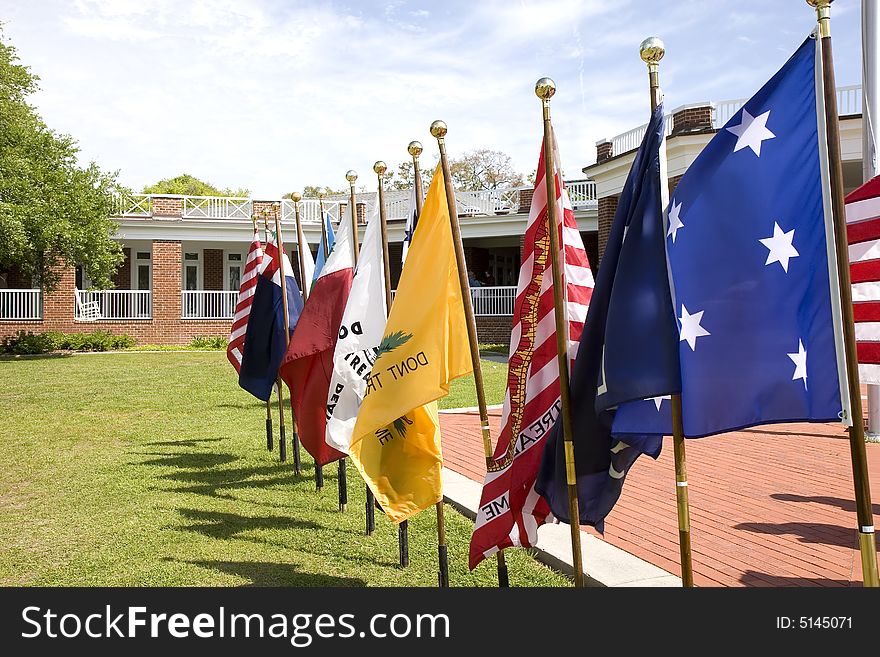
(269, 434)
(282, 445)
(297, 459)
(503, 577)
(319, 477)
(370, 509)
(403, 543)
(343, 487)
(443, 560)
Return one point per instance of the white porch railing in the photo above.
(849, 101)
(496, 300)
(21, 304)
(113, 304)
(216, 207)
(207, 304)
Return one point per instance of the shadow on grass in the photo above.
(187, 442)
(7, 358)
(217, 524)
(276, 574)
(198, 460)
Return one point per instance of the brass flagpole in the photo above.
(282, 441)
(268, 401)
(415, 150)
(296, 197)
(544, 89)
(380, 168)
(867, 542)
(651, 51)
(438, 131)
(319, 469)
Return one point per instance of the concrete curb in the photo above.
(604, 564)
(471, 409)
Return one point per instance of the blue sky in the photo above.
(273, 95)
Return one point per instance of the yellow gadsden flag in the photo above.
(396, 439)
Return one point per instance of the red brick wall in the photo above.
(122, 278)
(607, 207)
(271, 207)
(493, 329)
(673, 183)
(525, 199)
(213, 272)
(603, 151)
(693, 119)
(167, 207)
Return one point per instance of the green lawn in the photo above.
(151, 469)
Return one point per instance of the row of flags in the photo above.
(724, 293)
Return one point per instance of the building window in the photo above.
(141, 271)
(191, 270)
(234, 269)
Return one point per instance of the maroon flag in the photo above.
(510, 509)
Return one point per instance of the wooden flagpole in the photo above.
(319, 469)
(651, 51)
(282, 441)
(544, 89)
(867, 542)
(415, 150)
(269, 431)
(296, 197)
(380, 168)
(438, 131)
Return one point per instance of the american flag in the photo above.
(510, 509)
(863, 235)
(243, 305)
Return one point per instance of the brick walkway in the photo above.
(770, 506)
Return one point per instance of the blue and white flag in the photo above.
(751, 251)
(331, 241)
(628, 349)
(266, 343)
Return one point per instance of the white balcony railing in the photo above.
(849, 102)
(489, 301)
(21, 305)
(97, 305)
(207, 304)
(216, 207)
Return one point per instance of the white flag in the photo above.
(363, 324)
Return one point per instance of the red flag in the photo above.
(863, 235)
(510, 509)
(308, 364)
(237, 334)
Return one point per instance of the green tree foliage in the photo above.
(52, 211)
(187, 185)
(314, 191)
(484, 169)
(405, 178)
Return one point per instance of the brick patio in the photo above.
(770, 506)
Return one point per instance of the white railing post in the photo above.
(207, 304)
(21, 305)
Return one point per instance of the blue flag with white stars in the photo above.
(749, 251)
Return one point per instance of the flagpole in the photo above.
(651, 51)
(268, 401)
(296, 197)
(380, 168)
(415, 150)
(319, 469)
(544, 89)
(867, 544)
(282, 441)
(438, 131)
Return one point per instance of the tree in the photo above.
(484, 169)
(52, 211)
(314, 191)
(405, 179)
(187, 185)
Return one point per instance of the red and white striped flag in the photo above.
(863, 235)
(510, 509)
(243, 306)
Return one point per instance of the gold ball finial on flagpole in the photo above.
(380, 167)
(652, 50)
(819, 4)
(438, 129)
(351, 176)
(545, 88)
(415, 148)
(296, 197)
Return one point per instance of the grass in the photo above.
(151, 470)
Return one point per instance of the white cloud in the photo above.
(272, 95)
